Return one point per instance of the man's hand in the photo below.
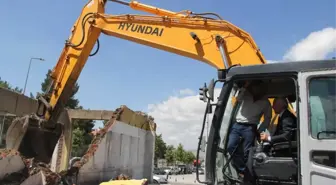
(264, 136)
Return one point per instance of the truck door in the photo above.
(317, 113)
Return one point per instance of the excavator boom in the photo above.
(217, 43)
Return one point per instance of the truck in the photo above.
(311, 87)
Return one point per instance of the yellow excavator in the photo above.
(205, 37)
(195, 35)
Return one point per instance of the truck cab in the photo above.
(310, 87)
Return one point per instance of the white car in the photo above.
(158, 179)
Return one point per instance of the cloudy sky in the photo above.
(143, 78)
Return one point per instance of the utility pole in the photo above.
(33, 58)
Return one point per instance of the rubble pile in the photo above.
(51, 177)
(18, 169)
(15, 166)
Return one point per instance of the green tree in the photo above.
(160, 148)
(32, 96)
(189, 157)
(170, 154)
(6, 85)
(77, 142)
(82, 128)
(180, 153)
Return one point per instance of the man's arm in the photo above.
(287, 125)
(267, 111)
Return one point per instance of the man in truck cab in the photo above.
(283, 133)
(252, 104)
(286, 122)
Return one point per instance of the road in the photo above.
(189, 179)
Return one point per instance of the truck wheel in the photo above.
(155, 181)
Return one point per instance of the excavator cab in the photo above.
(290, 162)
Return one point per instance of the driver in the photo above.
(286, 122)
(252, 105)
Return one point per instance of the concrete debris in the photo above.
(12, 167)
(15, 169)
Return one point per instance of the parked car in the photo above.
(159, 171)
(167, 170)
(200, 171)
(159, 179)
(174, 171)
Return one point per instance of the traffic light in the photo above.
(196, 162)
(202, 93)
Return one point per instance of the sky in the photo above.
(163, 84)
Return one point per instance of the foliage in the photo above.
(160, 147)
(170, 154)
(6, 85)
(179, 154)
(77, 142)
(189, 157)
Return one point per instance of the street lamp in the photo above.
(33, 58)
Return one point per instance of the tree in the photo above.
(160, 148)
(170, 154)
(82, 128)
(180, 153)
(32, 96)
(6, 85)
(189, 157)
(77, 142)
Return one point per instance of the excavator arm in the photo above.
(196, 38)
(213, 41)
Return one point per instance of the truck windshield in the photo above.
(224, 169)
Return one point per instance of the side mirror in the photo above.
(203, 91)
(207, 92)
(211, 89)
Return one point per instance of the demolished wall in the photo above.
(124, 146)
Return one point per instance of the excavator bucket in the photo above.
(31, 138)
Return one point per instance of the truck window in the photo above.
(322, 107)
(222, 158)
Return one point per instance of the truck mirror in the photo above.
(202, 92)
(211, 89)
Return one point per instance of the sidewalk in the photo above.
(184, 179)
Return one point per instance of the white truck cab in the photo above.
(311, 158)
